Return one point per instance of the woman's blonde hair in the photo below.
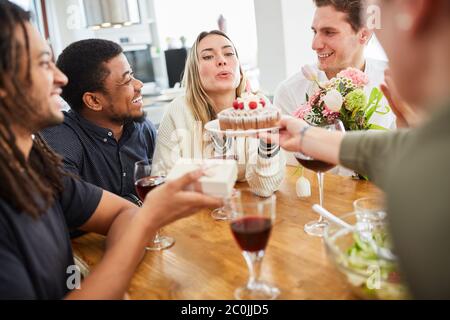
(196, 97)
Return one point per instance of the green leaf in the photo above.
(374, 100)
(377, 127)
(373, 96)
(387, 109)
(372, 104)
(307, 97)
(341, 87)
(370, 112)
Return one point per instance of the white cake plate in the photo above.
(213, 127)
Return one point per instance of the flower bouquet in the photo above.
(342, 98)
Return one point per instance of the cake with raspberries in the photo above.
(250, 111)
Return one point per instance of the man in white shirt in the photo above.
(340, 38)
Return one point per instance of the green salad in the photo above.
(375, 277)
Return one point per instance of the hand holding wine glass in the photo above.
(144, 183)
(168, 202)
(317, 228)
(289, 133)
(315, 142)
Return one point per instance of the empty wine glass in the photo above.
(370, 209)
(144, 182)
(225, 212)
(251, 224)
(316, 228)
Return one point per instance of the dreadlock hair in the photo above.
(30, 186)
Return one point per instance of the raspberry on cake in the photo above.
(250, 111)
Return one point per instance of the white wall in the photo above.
(297, 19)
(178, 18)
(271, 43)
(66, 23)
(284, 39)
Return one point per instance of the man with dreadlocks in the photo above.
(39, 203)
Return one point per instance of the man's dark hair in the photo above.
(83, 62)
(29, 185)
(352, 8)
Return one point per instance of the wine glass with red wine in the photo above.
(145, 182)
(317, 228)
(251, 225)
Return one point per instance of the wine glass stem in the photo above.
(320, 182)
(254, 261)
(157, 238)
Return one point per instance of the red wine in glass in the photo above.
(252, 232)
(315, 165)
(147, 184)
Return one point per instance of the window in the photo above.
(34, 6)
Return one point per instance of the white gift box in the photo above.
(218, 181)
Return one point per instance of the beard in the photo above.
(125, 119)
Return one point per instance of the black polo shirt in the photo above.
(93, 153)
(35, 254)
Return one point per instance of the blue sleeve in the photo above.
(63, 140)
(79, 200)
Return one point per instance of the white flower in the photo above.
(333, 100)
(303, 187)
(309, 73)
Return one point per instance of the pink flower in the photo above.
(306, 108)
(302, 111)
(359, 78)
(315, 98)
(330, 115)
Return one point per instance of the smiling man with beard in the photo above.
(339, 40)
(106, 130)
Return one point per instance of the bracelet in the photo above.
(302, 134)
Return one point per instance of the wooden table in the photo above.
(206, 263)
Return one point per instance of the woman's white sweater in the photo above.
(180, 136)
